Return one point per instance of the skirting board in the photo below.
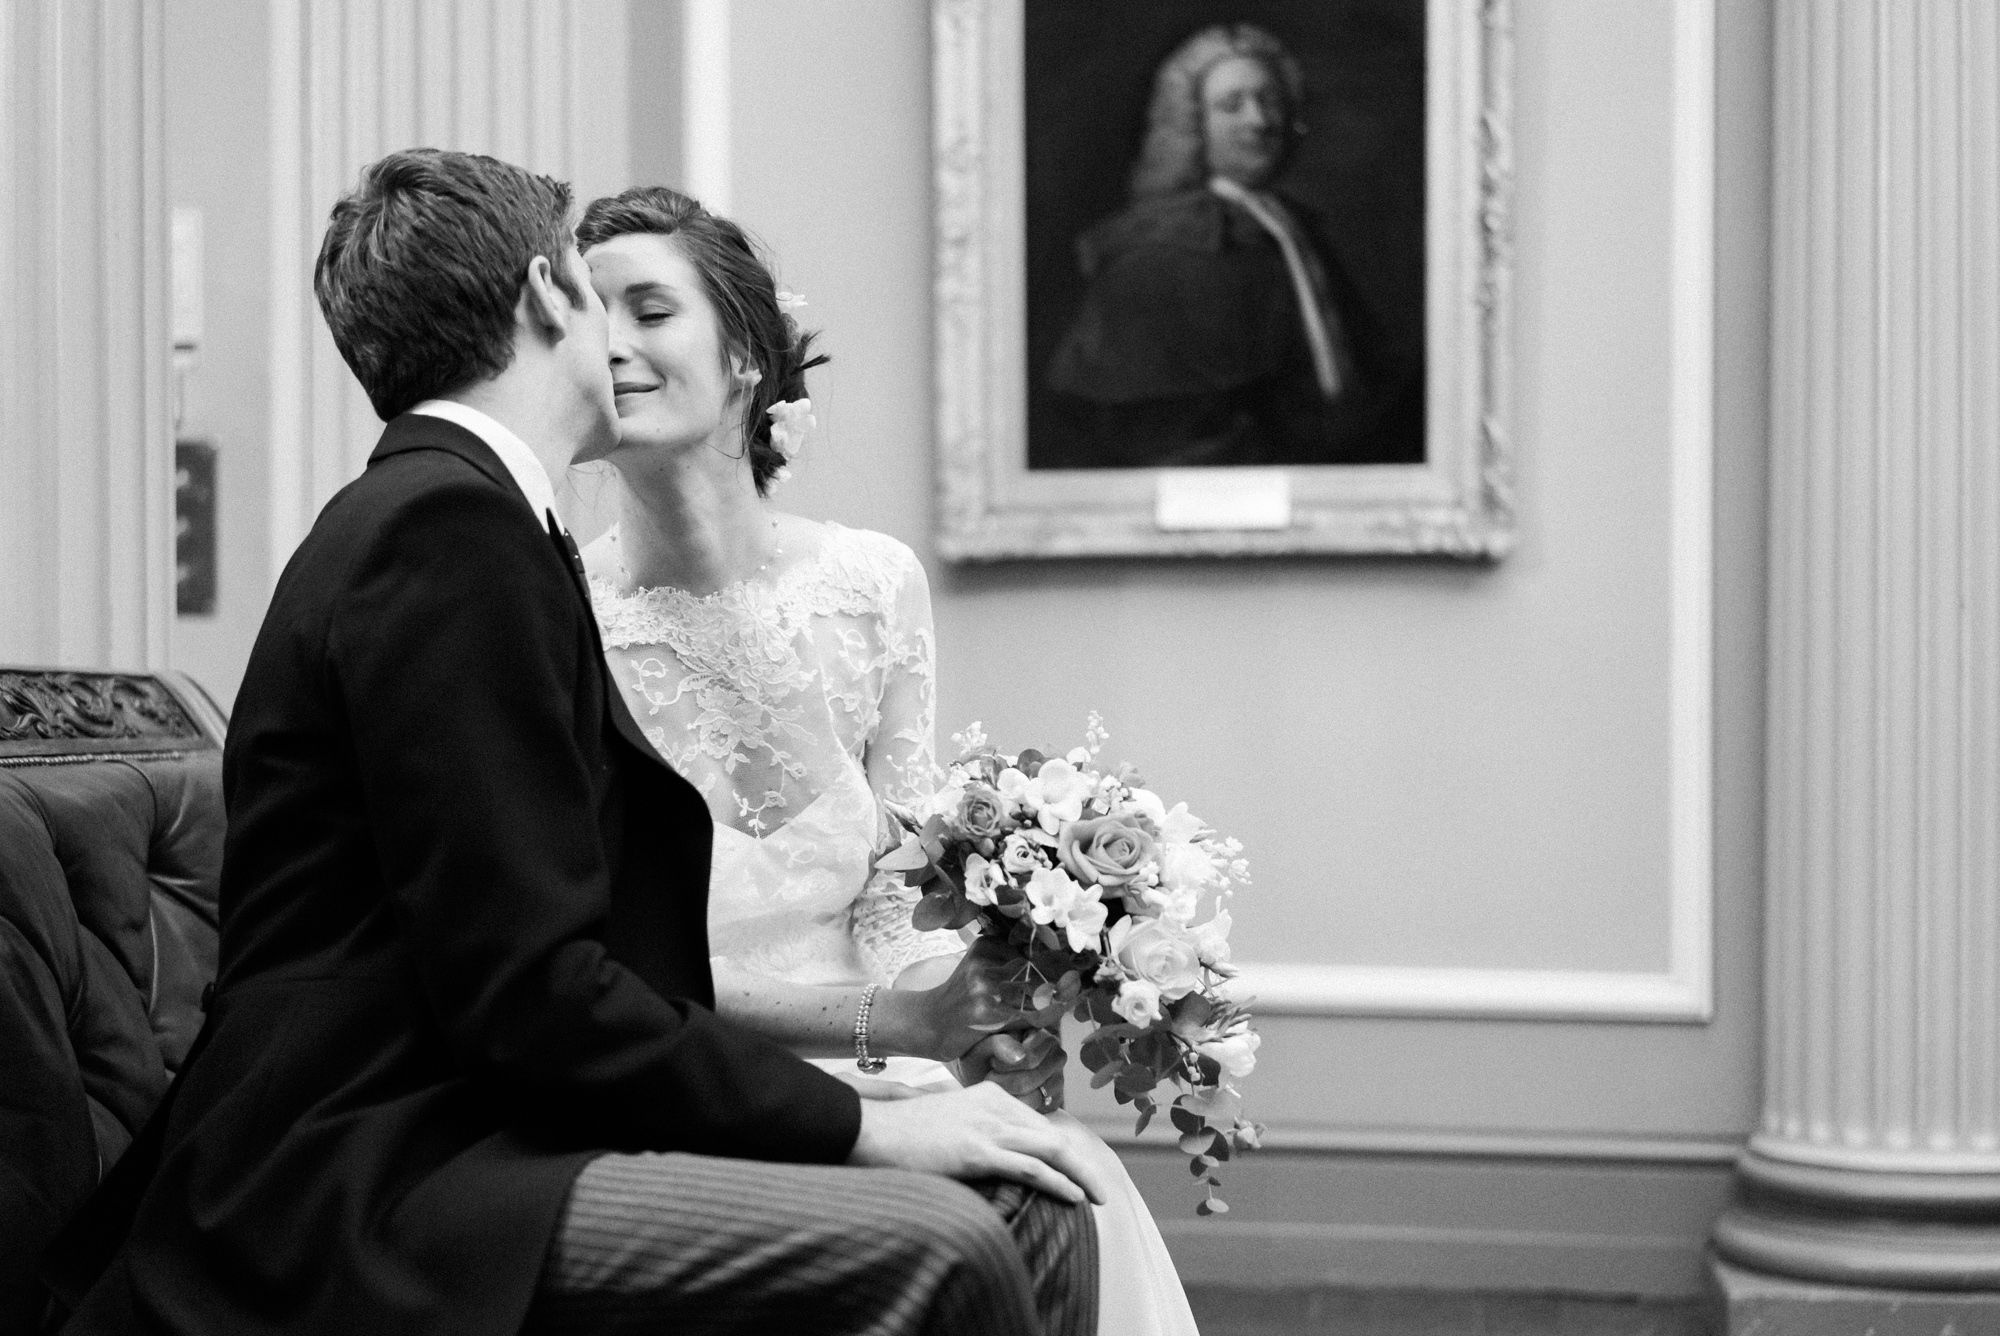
(1581, 1225)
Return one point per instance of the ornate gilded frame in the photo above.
(1458, 503)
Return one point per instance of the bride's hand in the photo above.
(984, 994)
(1027, 1064)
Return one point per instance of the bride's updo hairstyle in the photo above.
(738, 284)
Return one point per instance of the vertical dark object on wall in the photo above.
(194, 528)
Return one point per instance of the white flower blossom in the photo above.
(1138, 1002)
(1236, 1053)
(982, 880)
(790, 421)
(1060, 901)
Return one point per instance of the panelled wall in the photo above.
(86, 548)
(273, 108)
(1504, 820)
(536, 82)
(1506, 914)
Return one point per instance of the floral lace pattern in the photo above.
(794, 702)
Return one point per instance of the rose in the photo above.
(1236, 1054)
(1158, 951)
(981, 813)
(1108, 850)
(1056, 900)
(1138, 1002)
(1019, 855)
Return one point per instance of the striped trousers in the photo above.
(677, 1243)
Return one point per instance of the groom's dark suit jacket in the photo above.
(462, 941)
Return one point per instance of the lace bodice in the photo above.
(794, 702)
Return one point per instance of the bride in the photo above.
(784, 666)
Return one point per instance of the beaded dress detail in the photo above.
(795, 702)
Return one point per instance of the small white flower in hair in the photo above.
(790, 422)
(789, 302)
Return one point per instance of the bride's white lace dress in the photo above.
(796, 702)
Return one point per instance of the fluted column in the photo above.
(1878, 1159)
(540, 83)
(86, 545)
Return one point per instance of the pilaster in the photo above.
(539, 83)
(1878, 1160)
(86, 540)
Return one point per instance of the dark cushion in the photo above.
(108, 874)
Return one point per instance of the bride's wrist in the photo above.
(897, 1025)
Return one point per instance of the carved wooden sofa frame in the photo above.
(111, 825)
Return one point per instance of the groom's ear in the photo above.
(542, 306)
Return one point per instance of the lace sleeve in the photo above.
(902, 753)
(902, 768)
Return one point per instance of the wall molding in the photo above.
(1456, 1143)
(1585, 1223)
(1685, 990)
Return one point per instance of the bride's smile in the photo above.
(672, 378)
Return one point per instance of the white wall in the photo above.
(1432, 765)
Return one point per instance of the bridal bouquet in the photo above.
(1097, 884)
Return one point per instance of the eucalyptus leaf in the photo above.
(1137, 1080)
(909, 856)
(937, 910)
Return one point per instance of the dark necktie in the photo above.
(562, 540)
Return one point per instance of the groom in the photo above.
(461, 1070)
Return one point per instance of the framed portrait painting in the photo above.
(1222, 277)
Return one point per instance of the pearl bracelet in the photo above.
(862, 1058)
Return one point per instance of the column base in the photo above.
(1751, 1302)
(1865, 1229)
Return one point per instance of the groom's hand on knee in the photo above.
(978, 1132)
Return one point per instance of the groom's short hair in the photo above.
(422, 265)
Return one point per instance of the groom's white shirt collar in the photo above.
(522, 466)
